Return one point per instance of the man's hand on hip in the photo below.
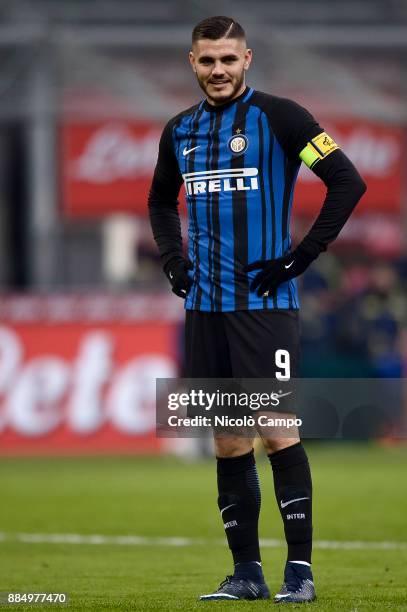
(176, 271)
(274, 272)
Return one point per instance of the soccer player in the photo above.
(238, 153)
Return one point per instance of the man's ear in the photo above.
(247, 59)
(192, 60)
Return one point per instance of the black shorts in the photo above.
(242, 344)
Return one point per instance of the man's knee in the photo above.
(230, 446)
(272, 445)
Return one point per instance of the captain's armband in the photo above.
(318, 148)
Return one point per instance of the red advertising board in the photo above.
(81, 387)
(106, 167)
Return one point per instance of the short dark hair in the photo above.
(217, 27)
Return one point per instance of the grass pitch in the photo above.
(360, 497)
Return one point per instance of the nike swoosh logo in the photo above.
(171, 275)
(289, 265)
(223, 510)
(291, 501)
(187, 151)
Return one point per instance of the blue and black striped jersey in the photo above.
(239, 163)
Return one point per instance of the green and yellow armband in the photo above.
(318, 148)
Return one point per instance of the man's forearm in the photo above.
(166, 226)
(345, 188)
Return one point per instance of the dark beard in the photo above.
(219, 101)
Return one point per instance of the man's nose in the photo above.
(218, 69)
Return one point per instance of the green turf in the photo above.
(360, 494)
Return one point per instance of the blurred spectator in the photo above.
(353, 318)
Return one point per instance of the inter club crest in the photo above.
(238, 144)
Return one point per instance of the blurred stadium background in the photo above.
(87, 319)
